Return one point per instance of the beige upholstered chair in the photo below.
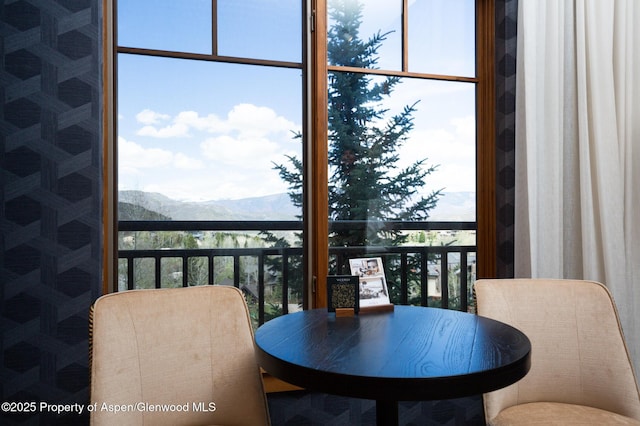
(581, 373)
(181, 356)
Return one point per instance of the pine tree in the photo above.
(365, 182)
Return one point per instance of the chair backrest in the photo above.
(578, 352)
(175, 357)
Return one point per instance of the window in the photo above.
(209, 96)
(404, 72)
(225, 168)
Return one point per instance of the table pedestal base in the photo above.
(386, 413)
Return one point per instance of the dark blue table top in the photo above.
(412, 353)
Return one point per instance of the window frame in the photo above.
(485, 138)
(315, 161)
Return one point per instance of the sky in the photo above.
(209, 131)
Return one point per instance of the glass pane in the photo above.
(442, 37)
(199, 140)
(354, 25)
(400, 150)
(424, 127)
(165, 25)
(262, 29)
(202, 141)
(444, 132)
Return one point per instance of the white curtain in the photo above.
(578, 147)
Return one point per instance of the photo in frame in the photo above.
(371, 281)
(342, 293)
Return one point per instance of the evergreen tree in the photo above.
(365, 182)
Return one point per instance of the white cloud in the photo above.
(133, 157)
(451, 148)
(208, 185)
(228, 156)
(149, 117)
(243, 119)
(232, 156)
(253, 120)
(241, 151)
(210, 123)
(465, 127)
(171, 131)
(181, 161)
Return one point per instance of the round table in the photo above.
(410, 354)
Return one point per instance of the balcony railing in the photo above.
(270, 277)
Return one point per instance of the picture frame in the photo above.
(372, 282)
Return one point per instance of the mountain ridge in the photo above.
(270, 207)
(452, 206)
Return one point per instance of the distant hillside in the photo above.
(271, 207)
(455, 206)
(129, 211)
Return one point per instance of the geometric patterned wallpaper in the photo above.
(50, 193)
(506, 44)
(316, 409)
(51, 187)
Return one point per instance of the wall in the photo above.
(50, 241)
(50, 256)
(506, 28)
